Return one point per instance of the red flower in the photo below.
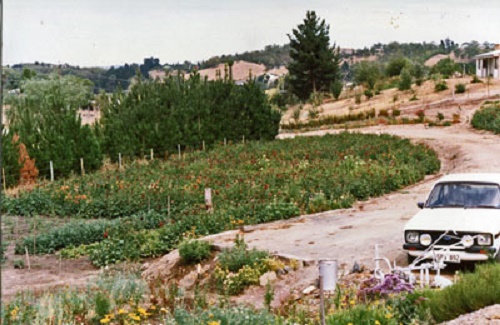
(160, 224)
(105, 234)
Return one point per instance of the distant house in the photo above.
(487, 64)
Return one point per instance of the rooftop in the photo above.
(488, 55)
(472, 177)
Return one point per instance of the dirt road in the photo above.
(349, 235)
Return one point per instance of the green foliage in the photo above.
(235, 258)
(472, 292)
(368, 93)
(487, 118)
(336, 89)
(440, 116)
(162, 115)
(283, 178)
(45, 117)
(460, 88)
(194, 251)
(314, 65)
(396, 65)
(440, 86)
(10, 159)
(362, 314)
(419, 72)
(331, 119)
(367, 73)
(405, 80)
(475, 80)
(446, 67)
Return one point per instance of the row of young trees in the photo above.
(161, 115)
(156, 115)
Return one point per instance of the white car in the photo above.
(460, 221)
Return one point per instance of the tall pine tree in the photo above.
(314, 64)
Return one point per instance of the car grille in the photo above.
(449, 239)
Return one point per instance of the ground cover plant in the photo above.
(156, 203)
(125, 298)
(488, 117)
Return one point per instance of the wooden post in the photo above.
(208, 200)
(152, 154)
(203, 145)
(243, 139)
(225, 142)
(27, 257)
(119, 161)
(82, 166)
(179, 148)
(321, 300)
(51, 171)
(3, 179)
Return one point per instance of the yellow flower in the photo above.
(214, 322)
(122, 311)
(134, 317)
(152, 308)
(211, 315)
(388, 316)
(350, 324)
(14, 312)
(104, 320)
(141, 310)
(163, 310)
(352, 302)
(109, 316)
(377, 322)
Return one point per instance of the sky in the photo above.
(114, 32)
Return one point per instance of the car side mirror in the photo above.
(420, 205)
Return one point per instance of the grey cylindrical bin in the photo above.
(328, 269)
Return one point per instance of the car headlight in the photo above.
(425, 239)
(467, 241)
(484, 240)
(412, 237)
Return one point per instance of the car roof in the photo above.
(471, 177)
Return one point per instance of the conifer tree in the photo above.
(314, 64)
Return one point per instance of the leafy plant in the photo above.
(235, 258)
(472, 292)
(460, 88)
(194, 251)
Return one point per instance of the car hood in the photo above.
(457, 219)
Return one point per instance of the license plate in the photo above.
(452, 258)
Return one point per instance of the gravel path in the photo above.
(486, 316)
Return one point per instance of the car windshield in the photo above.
(465, 194)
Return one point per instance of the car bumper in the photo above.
(473, 253)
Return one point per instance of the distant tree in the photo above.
(404, 80)
(367, 73)
(418, 72)
(396, 65)
(314, 64)
(336, 88)
(446, 67)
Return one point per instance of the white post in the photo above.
(243, 139)
(377, 262)
(203, 145)
(179, 148)
(3, 178)
(225, 142)
(51, 171)
(152, 154)
(82, 166)
(119, 161)
(208, 200)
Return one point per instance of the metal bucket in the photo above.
(329, 269)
